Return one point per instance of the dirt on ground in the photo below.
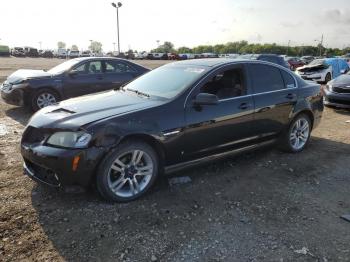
(260, 206)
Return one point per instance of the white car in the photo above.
(229, 55)
(60, 53)
(73, 54)
(318, 70)
(142, 55)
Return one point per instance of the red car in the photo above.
(173, 56)
(294, 62)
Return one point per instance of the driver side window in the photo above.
(81, 69)
(92, 67)
(226, 84)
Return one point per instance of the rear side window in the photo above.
(266, 78)
(288, 80)
(117, 67)
(268, 59)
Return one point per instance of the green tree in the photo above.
(95, 47)
(61, 44)
(167, 47)
(184, 50)
(74, 48)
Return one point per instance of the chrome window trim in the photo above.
(246, 62)
(233, 98)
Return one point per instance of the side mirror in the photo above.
(72, 73)
(206, 99)
(343, 71)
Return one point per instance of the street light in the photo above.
(117, 6)
(288, 46)
(91, 45)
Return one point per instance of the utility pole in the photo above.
(288, 47)
(117, 6)
(321, 43)
(91, 45)
(302, 49)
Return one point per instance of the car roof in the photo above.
(97, 58)
(209, 62)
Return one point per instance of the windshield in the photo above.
(167, 81)
(318, 62)
(63, 67)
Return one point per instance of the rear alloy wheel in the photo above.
(128, 172)
(298, 134)
(44, 98)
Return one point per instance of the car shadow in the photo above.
(83, 227)
(342, 111)
(19, 114)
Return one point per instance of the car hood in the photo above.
(74, 113)
(311, 68)
(24, 74)
(342, 80)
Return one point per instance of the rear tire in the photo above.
(297, 136)
(43, 98)
(328, 78)
(127, 172)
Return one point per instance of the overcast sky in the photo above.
(183, 22)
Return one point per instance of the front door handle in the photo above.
(290, 96)
(244, 106)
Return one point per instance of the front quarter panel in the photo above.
(163, 125)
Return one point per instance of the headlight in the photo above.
(70, 139)
(21, 81)
(330, 88)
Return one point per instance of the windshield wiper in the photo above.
(138, 92)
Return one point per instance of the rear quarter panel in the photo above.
(310, 100)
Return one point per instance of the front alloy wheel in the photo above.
(43, 98)
(128, 172)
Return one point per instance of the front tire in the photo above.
(298, 134)
(127, 172)
(43, 98)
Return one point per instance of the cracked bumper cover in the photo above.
(53, 166)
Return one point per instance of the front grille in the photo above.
(42, 174)
(341, 90)
(33, 135)
(336, 101)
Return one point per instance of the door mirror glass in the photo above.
(206, 99)
(73, 73)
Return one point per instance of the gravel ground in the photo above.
(260, 206)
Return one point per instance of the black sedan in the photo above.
(76, 77)
(337, 92)
(175, 116)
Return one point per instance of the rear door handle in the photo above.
(290, 96)
(244, 106)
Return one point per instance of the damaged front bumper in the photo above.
(336, 99)
(13, 97)
(55, 166)
(318, 77)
